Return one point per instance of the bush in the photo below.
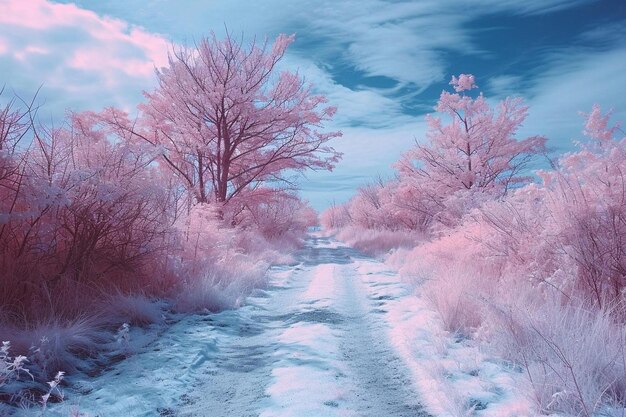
(574, 358)
(377, 242)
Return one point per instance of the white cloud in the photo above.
(23, 54)
(355, 106)
(572, 85)
(404, 41)
(504, 85)
(83, 60)
(368, 153)
(3, 46)
(527, 7)
(41, 16)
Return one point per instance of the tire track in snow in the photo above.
(383, 385)
(358, 373)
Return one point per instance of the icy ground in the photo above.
(335, 335)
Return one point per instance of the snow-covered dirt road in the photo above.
(314, 343)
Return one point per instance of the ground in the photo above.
(337, 334)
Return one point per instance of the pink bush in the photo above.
(107, 223)
(377, 242)
(275, 214)
(335, 217)
(106, 205)
(574, 358)
(588, 205)
(87, 217)
(78, 262)
(570, 232)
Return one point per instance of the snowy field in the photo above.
(335, 335)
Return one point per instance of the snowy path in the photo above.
(314, 343)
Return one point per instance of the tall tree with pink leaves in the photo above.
(471, 152)
(226, 121)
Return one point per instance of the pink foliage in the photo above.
(87, 215)
(277, 214)
(588, 204)
(378, 242)
(106, 204)
(464, 82)
(224, 121)
(539, 275)
(476, 153)
(368, 207)
(335, 217)
(107, 221)
(596, 125)
(465, 162)
(383, 205)
(103, 215)
(570, 232)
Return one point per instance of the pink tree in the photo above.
(335, 217)
(587, 201)
(373, 207)
(225, 121)
(276, 213)
(475, 152)
(84, 215)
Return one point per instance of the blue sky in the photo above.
(382, 63)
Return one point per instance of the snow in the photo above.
(451, 375)
(336, 335)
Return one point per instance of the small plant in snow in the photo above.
(54, 387)
(11, 366)
(123, 336)
(38, 354)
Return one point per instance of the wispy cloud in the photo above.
(573, 79)
(356, 107)
(504, 85)
(528, 7)
(368, 153)
(407, 41)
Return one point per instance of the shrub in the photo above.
(574, 358)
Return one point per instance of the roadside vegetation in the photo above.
(531, 266)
